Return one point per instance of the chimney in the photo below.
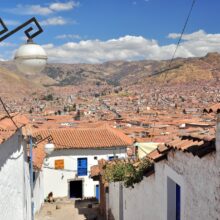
(217, 143)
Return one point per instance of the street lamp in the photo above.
(30, 58)
(49, 148)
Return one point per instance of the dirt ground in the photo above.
(66, 209)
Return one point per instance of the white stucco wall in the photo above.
(14, 180)
(144, 201)
(201, 184)
(56, 181)
(114, 199)
(200, 190)
(38, 191)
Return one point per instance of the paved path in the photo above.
(65, 209)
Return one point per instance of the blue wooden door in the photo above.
(97, 192)
(178, 202)
(82, 167)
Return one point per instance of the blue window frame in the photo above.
(112, 157)
(82, 166)
(178, 202)
(97, 192)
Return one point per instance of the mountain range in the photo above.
(113, 73)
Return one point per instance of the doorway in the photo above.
(97, 192)
(173, 200)
(76, 189)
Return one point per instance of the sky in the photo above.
(96, 31)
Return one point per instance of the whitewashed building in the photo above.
(184, 184)
(15, 196)
(66, 172)
(38, 189)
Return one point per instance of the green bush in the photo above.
(127, 172)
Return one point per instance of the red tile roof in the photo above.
(83, 138)
(196, 145)
(101, 137)
(95, 171)
(39, 155)
(214, 108)
(7, 127)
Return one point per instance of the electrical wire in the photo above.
(183, 30)
(4, 107)
(179, 40)
(173, 56)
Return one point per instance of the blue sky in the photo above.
(94, 31)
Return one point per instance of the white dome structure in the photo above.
(30, 58)
(49, 148)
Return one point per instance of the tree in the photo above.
(48, 97)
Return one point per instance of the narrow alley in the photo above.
(69, 210)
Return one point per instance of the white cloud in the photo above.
(43, 10)
(55, 21)
(7, 44)
(198, 43)
(30, 10)
(58, 6)
(11, 22)
(68, 36)
(132, 48)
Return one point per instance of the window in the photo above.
(34, 176)
(59, 164)
(82, 166)
(173, 200)
(112, 157)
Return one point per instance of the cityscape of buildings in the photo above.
(120, 129)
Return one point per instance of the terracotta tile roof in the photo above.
(162, 148)
(156, 155)
(97, 170)
(82, 138)
(214, 108)
(94, 171)
(101, 137)
(7, 127)
(198, 146)
(38, 156)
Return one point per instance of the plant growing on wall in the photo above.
(129, 173)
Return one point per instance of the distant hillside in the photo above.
(16, 84)
(121, 72)
(114, 73)
(188, 70)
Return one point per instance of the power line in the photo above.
(178, 42)
(4, 107)
(183, 30)
(173, 56)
